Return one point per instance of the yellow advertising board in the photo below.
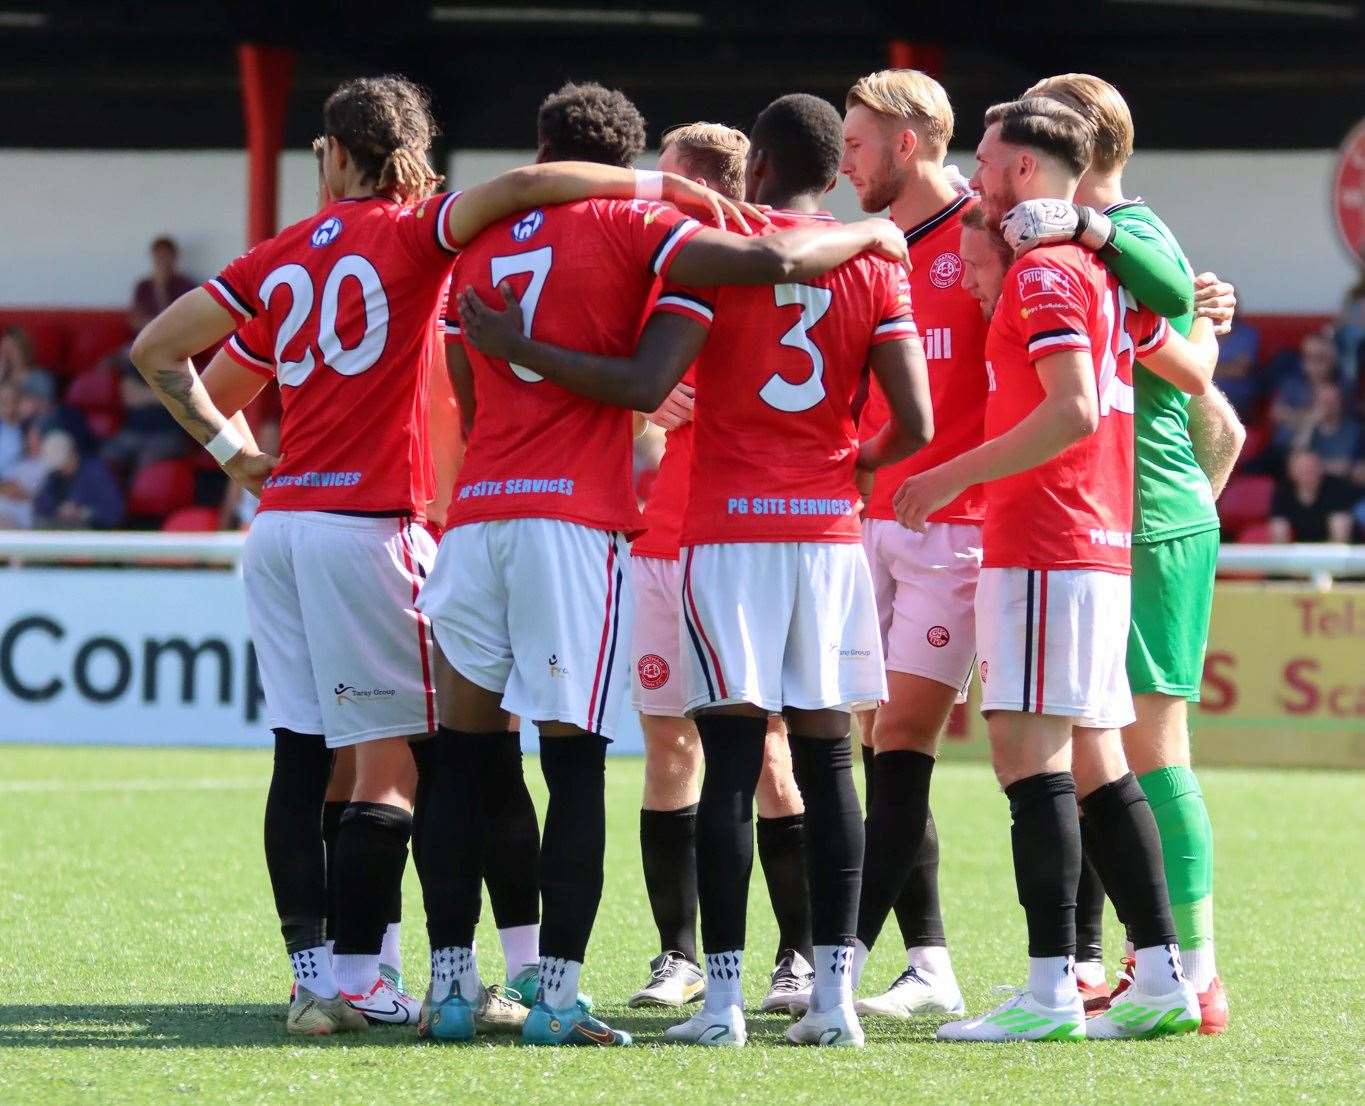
(1284, 680)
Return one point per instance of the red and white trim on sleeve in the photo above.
(1053, 341)
(680, 303)
(229, 299)
(1155, 340)
(668, 247)
(443, 238)
(890, 329)
(248, 358)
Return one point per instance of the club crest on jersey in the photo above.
(1043, 282)
(946, 270)
(326, 232)
(527, 225)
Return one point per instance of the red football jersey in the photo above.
(348, 301)
(663, 514)
(586, 275)
(1076, 510)
(774, 443)
(953, 331)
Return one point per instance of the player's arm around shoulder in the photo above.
(896, 358)
(1187, 363)
(784, 257)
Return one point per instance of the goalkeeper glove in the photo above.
(1036, 223)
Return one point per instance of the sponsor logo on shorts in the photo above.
(946, 270)
(856, 654)
(652, 670)
(345, 693)
(938, 636)
(983, 672)
(557, 670)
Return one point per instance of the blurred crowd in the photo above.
(98, 451)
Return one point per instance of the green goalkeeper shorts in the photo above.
(1172, 599)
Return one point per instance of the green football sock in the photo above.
(1187, 850)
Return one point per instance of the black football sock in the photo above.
(511, 844)
(668, 848)
(422, 759)
(834, 835)
(372, 850)
(1045, 837)
(782, 855)
(917, 909)
(573, 852)
(331, 826)
(295, 855)
(732, 745)
(896, 820)
(1126, 847)
(1089, 907)
(869, 784)
(452, 832)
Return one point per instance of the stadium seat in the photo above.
(192, 520)
(1245, 500)
(1255, 533)
(1258, 437)
(159, 488)
(94, 340)
(96, 389)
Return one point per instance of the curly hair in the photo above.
(802, 137)
(386, 125)
(586, 122)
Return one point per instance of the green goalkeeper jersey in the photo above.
(1173, 497)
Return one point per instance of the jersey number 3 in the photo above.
(780, 393)
(348, 362)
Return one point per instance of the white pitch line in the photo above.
(10, 787)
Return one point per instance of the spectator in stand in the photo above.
(1237, 375)
(16, 362)
(149, 431)
(161, 287)
(20, 482)
(11, 427)
(1350, 331)
(1309, 505)
(1331, 432)
(78, 493)
(1293, 409)
(38, 407)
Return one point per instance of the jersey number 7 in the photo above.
(537, 263)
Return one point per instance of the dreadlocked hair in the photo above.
(386, 125)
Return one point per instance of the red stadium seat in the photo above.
(104, 424)
(1256, 533)
(1258, 437)
(94, 340)
(192, 520)
(50, 342)
(161, 487)
(96, 389)
(1245, 500)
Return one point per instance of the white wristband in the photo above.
(649, 184)
(226, 444)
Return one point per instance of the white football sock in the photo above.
(390, 954)
(1052, 979)
(313, 971)
(1090, 972)
(724, 979)
(833, 976)
(1200, 968)
(330, 945)
(1158, 969)
(931, 960)
(860, 955)
(455, 968)
(520, 947)
(356, 972)
(558, 987)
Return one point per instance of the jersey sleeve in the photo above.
(697, 304)
(249, 346)
(653, 232)
(424, 229)
(234, 289)
(895, 320)
(449, 320)
(1051, 305)
(1148, 330)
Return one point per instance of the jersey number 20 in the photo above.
(780, 393)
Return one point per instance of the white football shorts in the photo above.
(925, 586)
(1055, 642)
(538, 610)
(332, 604)
(656, 640)
(780, 624)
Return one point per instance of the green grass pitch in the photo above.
(142, 962)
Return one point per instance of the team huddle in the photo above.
(979, 436)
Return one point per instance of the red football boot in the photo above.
(1213, 1009)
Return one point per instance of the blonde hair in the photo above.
(1102, 106)
(713, 151)
(907, 94)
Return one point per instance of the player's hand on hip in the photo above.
(687, 195)
(676, 409)
(887, 240)
(1035, 223)
(920, 496)
(496, 333)
(249, 470)
(1215, 300)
